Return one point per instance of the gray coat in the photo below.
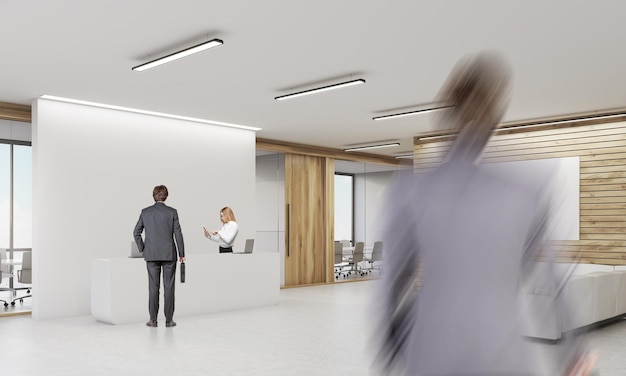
(471, 232)
(161, 225)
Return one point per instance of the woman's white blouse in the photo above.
(226, 236)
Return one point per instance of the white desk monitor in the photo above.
(248, 248)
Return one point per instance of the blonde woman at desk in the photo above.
(226, 236)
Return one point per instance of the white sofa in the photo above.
(592, 294)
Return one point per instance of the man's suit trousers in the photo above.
(154, 283)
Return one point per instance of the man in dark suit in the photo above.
(159, 250)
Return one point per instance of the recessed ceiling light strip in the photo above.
(137, 111)
(178, 55)
(320, 89)
(409, 113)
(373, 146)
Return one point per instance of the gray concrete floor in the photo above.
(318, 330)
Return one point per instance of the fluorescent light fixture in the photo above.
(436, 137)
(554, 122)
(409, 113)
(321, 89)
(178, 55)
(513, 126)
(373, 146)
(404, 156)
(152, 113)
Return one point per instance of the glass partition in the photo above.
(5, 195)
(15, 212)
(22, 196)
(270, 204)
(360, 190)
(344, 206)
(371, 182)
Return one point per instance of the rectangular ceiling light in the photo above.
(564, 121)
(321, 89)
(144, 112)
(409, 113)
(178, 55)
(373, 146)
(436, 137)
(404, 156)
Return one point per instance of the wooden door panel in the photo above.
(307, 211)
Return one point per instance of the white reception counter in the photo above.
(214, 283)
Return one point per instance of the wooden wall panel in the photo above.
(308, 237)
(602, 152)
(15, 112)
(318, 151)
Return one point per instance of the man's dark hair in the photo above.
(159, 193)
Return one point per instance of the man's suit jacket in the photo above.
(161, 225)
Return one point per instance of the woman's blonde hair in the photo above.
(228, 214)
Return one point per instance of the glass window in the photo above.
(5, 194)
(22, 196)
(344, 211)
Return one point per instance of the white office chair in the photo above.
(2, 264)
(6, 268)
(357, 258)
(340, 263)
(346, 243)
(25, 276)
(377, 255)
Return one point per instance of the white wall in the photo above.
(93, 172)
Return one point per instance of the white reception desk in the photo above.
(214, 283)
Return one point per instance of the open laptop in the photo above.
(248, 248)
(134, 251)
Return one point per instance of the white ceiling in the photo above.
(566, 56)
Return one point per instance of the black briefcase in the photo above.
(182, 272)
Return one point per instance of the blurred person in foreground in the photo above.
(474, 235)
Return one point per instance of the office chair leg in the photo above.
(21, 299)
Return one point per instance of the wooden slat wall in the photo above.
(602, 152)
(15, 112)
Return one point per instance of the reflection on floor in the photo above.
(23, 307)
(347, 274)
(319, 330)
